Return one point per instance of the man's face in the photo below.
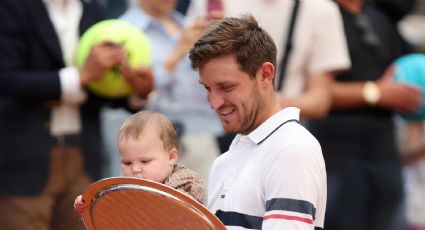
(232, 93)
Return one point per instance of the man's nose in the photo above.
(215, 102)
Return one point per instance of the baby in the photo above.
(148, 148)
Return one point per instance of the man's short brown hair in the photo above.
(242, 37)
(146, 121)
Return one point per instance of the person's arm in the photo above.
(194, 186)
(412, 142)
(73, 80)
(294, 187)
(386, 93)
(328, 55)
(19, 80)
(315, 101)
(187, 181)
(164, 69)
(189, 35)
(414, 156)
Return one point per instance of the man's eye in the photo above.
(227, 88)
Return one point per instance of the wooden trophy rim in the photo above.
(93, 191)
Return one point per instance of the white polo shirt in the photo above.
(273, 178)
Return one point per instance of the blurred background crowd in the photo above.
(335, 62)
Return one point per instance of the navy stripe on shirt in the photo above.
(255, 222)
(292, 205)
(239, 219)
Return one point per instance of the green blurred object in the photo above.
(112, 84)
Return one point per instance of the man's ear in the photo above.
(173, 155)
(267, 72)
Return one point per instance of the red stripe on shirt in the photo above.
(287, 217)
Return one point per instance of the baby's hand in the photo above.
(79, 204)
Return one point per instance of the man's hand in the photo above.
(399, 96)
(141, 78)
(102, 57)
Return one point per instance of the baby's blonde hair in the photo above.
(147, 121)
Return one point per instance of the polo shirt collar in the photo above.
(273, 123)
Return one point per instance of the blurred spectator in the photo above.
(394, 9)
(411, 140)
(49, 135)
(412, 26)
(357, 137)
(178, 93)
(114, 8)
(412, 144)
(182, 6)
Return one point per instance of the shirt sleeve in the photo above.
(294, 188)
(72, 92)
(189, 182)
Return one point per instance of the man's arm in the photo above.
(294, 187)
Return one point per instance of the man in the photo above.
(273, 176)
(49, 135)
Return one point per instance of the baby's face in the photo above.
(146, 158)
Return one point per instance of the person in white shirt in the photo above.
(273, 176)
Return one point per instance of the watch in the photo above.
(371, 93)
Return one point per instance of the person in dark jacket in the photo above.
(49, 124)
